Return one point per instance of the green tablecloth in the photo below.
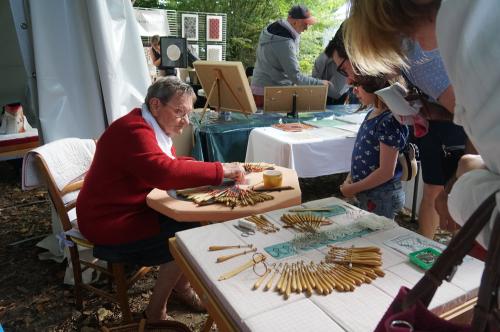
(226, 140)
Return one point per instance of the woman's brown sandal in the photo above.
(189, 298)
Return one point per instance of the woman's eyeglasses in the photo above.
(178, 113)
(340, 70)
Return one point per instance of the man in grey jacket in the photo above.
(277, 62)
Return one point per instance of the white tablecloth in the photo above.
(360, 310)
(313, 152)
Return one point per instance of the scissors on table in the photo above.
(245, 232)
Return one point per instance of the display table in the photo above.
(312, 152)
(226, 140)
(16, 145)
(236, 307)
(183, 210)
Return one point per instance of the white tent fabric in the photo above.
(152, 22)
(90, 65)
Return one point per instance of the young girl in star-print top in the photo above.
(375, 177)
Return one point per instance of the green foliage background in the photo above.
(246, 18)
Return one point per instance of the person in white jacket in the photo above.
(470, 48)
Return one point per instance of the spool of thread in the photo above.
(247, 224)
(272, 178)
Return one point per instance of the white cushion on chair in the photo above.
(67, 159)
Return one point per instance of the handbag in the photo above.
(408, 161)
(408, 311)
(450, 159)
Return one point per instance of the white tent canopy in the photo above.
(88, 62)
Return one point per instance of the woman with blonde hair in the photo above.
(389, 36)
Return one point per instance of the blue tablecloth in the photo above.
(223, 140)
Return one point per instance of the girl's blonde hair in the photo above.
(375, 29)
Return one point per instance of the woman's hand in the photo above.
(347, 189)
(234, 171)
(348, 179)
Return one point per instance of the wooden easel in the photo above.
(216, 85)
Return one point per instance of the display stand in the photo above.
(216, 86)
(295, 99)
(226, 86)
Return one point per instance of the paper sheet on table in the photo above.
(298, 316)
(349, 127)
(409, 243)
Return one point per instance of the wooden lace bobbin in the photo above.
(320, 287)
(257, 167)
(347, 275)
(258, 258)
(298, 289)
(294, 278)
(356, 249)
(300, 282)
(263, 225)
(366, 271)
(270, 282)
(356, 276)
(327, 275)
(289, 284)
(284, 276)
(215, 248)
(310, 281)
(339, 284)
(308, 286)
(354, 255)
(348, 282)
(362, 260)
(261, 279)
(221, 259)
(327, 281)
(343, 284)
(377, 271)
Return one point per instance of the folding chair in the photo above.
(114, 271)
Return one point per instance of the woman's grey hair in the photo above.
(164, 88)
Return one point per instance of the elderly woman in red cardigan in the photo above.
(134, 156)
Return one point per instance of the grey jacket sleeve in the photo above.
(287, 56)
(318, 68)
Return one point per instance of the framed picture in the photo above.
(190, 26)
(214, 52)
(214, 28)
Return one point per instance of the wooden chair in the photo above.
(114, 271)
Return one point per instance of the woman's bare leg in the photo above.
(428, 218)
(168, 277)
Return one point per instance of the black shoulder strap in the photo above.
(446, 264)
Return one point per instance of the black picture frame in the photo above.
(175, 45)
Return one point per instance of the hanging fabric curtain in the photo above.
(90, 65)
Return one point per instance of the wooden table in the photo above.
(182, 210)
(235, 307)
(14, 146)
